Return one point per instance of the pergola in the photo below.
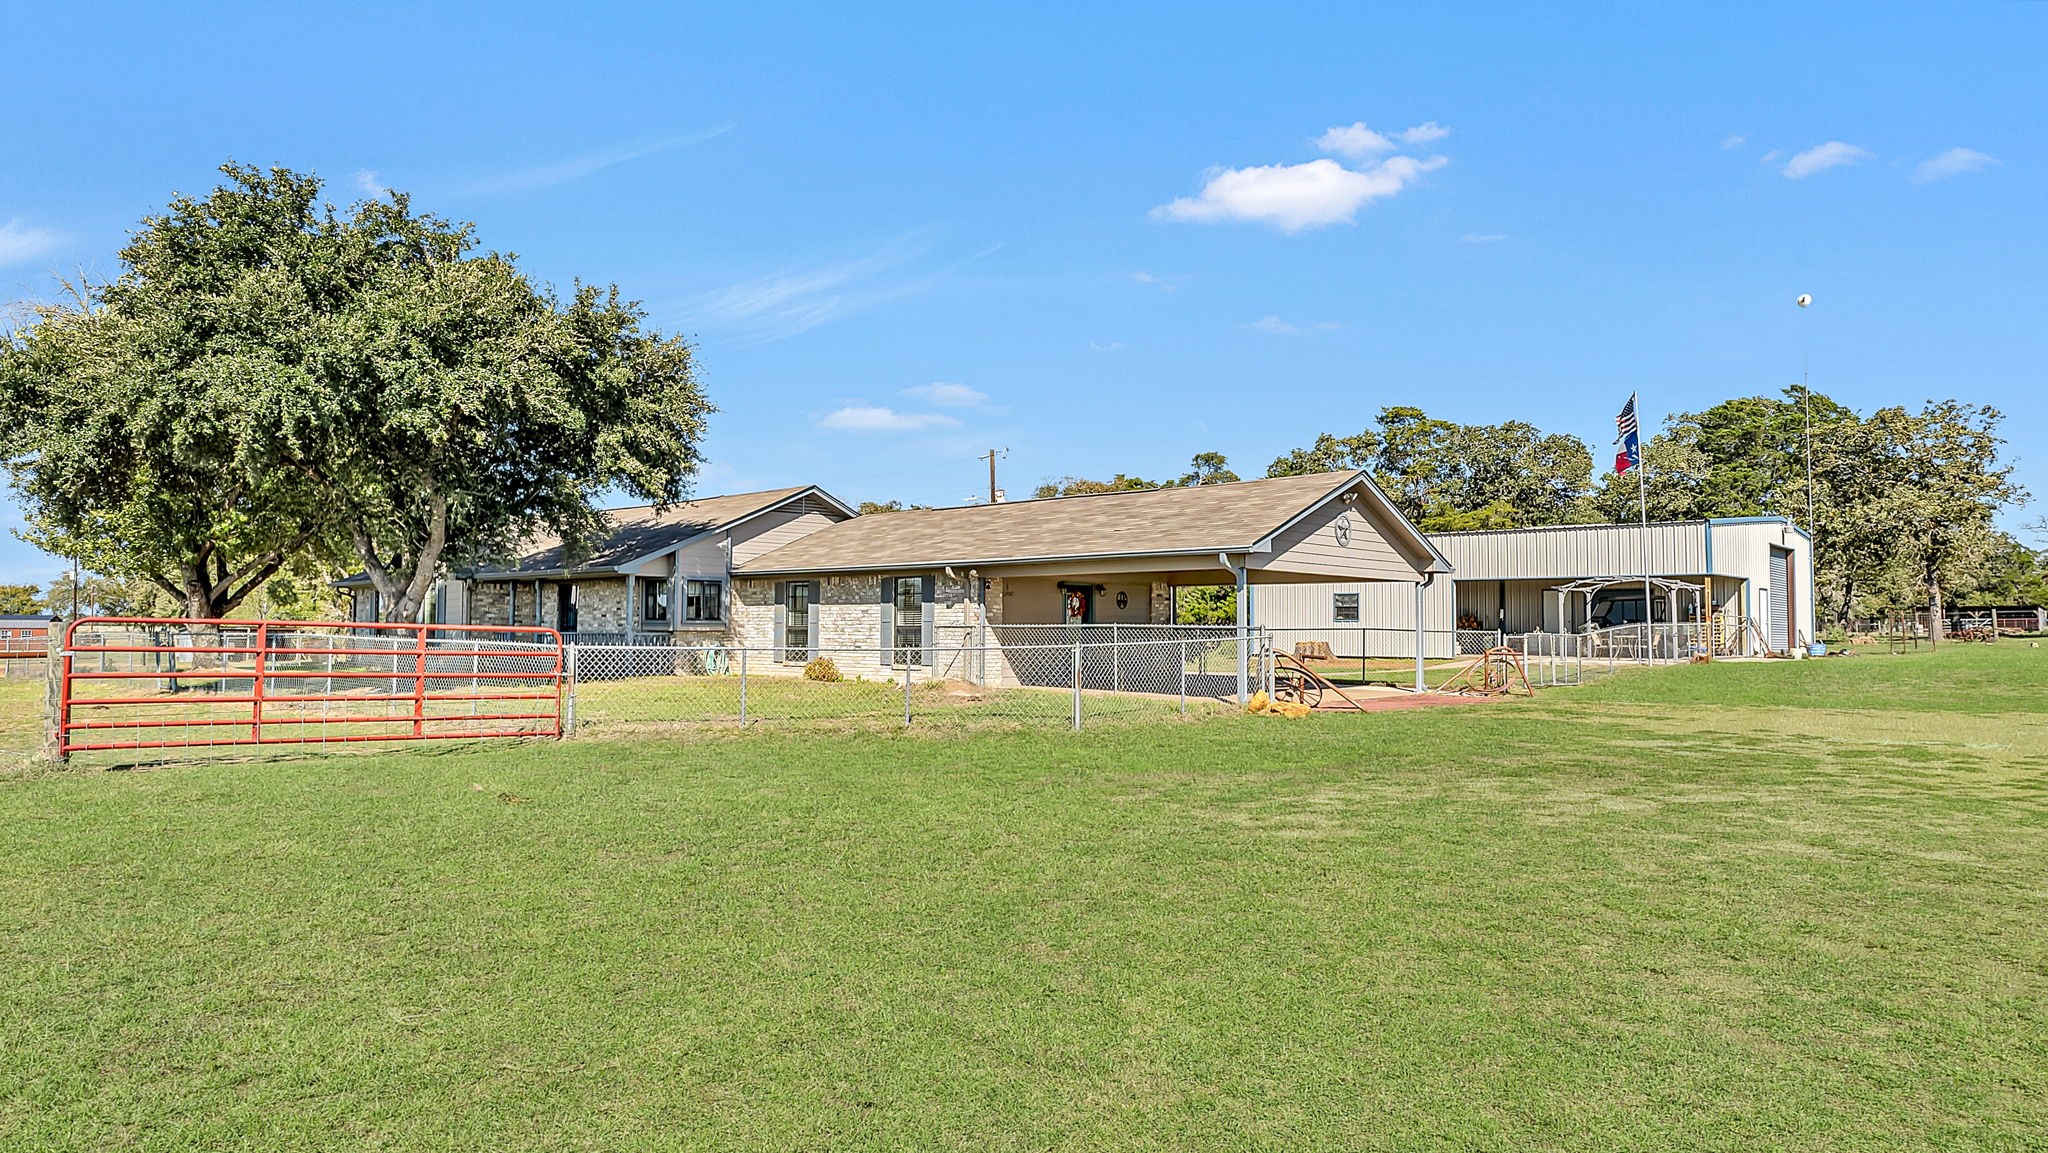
(1587, 586)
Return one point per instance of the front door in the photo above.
(565, 608)
(1077, 604)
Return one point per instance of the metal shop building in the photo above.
(1756, 572)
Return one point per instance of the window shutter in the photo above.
(888, 620)
(778, 642)
(930, 596)
(813, 615)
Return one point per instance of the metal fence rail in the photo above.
(128, 684)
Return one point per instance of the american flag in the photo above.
(1626, 429)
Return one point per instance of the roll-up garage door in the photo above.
(1781, 602)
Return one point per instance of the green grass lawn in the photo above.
(1799, 906)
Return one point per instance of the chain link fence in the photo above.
(1355, 654)
(1062, 677)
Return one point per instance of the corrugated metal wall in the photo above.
(1576, 551)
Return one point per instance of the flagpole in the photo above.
(1643, 510)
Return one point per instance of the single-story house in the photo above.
(660, 575)
(793, 572)
(1757, 572)
(25, 631)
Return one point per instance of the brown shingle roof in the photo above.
(1204, 518)
(640, 530)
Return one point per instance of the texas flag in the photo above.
(1629, 454)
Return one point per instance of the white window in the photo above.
(703, 600)
(1344, 608)
(654, 602)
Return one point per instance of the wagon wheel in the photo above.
(1294, 687)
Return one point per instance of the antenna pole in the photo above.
(1806, 397)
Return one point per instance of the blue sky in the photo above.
(1108, 241)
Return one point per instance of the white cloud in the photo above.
(1275, 326)
(1483, 237)
(787, 303)
(1734, 140)
(585, 164)
(366, 183)
(1771, 157)
(1147, 278)
(20, 244)
(1112, 346)
(947, 395)
(1954, 162)
(1296, 197)
(1359, 142)
(875, 418)
(1822, 157)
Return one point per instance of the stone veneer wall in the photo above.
(849, 619)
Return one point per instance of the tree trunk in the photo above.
(401, 603)
(1938, 621)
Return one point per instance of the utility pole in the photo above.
(993, 491)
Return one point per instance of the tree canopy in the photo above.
(23, 599)
(270, 377)
(1203, 468)
(1903, 501)
(1447, 477)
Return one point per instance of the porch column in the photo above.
(1420, 683)
(1244, 617)
(632, 587)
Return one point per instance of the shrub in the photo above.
(822, 669)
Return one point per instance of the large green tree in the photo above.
(1903, 502)
(360, 381)
(1447, 476)
(22, 599)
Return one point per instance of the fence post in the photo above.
(1116, 648)
(1183, 678)
(1077, 686)
(569, 718)
(743, 687)
(1364, 658)
(57, 680)
(907, 667)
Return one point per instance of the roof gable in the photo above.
(640, 532)
(1195, 520)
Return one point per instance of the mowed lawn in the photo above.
(1799, 906)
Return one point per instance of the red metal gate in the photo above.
(140, 683)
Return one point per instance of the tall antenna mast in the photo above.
(1806, 398)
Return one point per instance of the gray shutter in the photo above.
(930, 592)
(816, 615)
(775, 643)
(888, 619)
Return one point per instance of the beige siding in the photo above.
(702, 556)
(1315, 546)
(1386, 617)
(770, 531)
